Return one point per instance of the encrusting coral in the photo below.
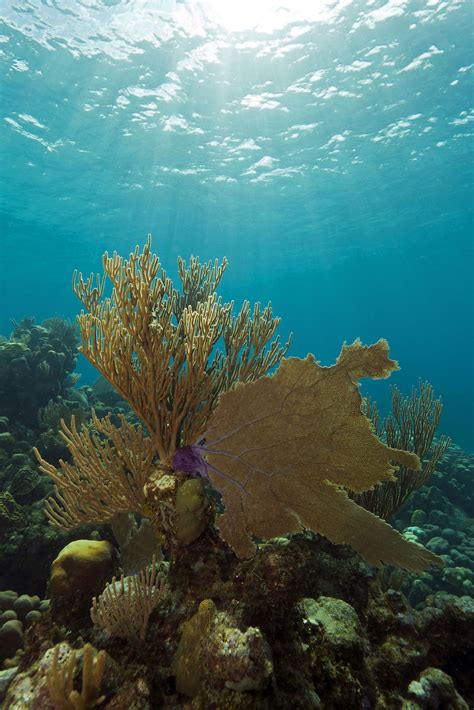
(280, 449)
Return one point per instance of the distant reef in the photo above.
(38, 388)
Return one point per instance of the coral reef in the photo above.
(440, 515)
(27, 544)
(433, 689)
(242, 575)
(36, 365)
(301, 624)
(278, 449)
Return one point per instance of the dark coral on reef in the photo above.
(440, 515)
(304, 624)
(36, 365)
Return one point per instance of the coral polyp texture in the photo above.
(282, 449)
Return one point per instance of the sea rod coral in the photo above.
(281, 448)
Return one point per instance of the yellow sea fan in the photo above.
(283, 449)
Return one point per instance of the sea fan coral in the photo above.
(282, 450)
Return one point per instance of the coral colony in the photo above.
(217, 509)
(278, 448)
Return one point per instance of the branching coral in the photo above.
(60, 678)
(159, 347)
(171, 355)
(411, 425)
(111, 467)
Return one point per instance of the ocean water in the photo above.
(324, 147)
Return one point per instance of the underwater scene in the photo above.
(236, 354)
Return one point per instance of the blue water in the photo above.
(325, 149)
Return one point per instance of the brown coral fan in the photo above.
(281, 449)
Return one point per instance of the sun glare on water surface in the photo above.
(266, 15)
